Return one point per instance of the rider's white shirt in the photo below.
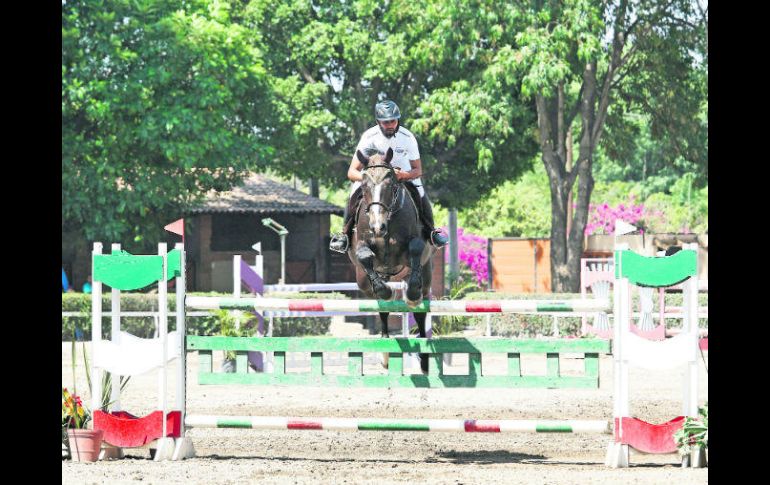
(404, 146)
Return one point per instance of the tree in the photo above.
(331, 62)
(161, 102)
(574, 56)
(630, 153)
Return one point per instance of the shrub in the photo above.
(519, 325)
(79, 327)
(472, 252)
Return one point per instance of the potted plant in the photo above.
(75, 416)
(83, 444)
(694, 433)
(231, 324)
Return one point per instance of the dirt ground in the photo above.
(230, 456)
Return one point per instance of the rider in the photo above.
(406, 161)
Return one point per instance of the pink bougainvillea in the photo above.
(602, 217)
(472, 251)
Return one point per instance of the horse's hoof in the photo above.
(413, 303)
(414, 288)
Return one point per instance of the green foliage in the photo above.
(520, 325)
(522, 209)
(302, 326)
(470, 132)
(461, 286)
(559, 39)
(514, 209)
(144, 327)
(630, 153)
(694, 432)
(160, 103)
(233, 323)
(578, 58)
(330, 63)
(685, 209)
(670, 92)
(337, 197)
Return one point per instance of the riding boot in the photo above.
(435, 236)
(340, 242)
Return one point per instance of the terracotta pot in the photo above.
(85, 444)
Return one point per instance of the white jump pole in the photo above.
(115, 320)
(96, 334)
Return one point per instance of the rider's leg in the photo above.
(340, 242)
(436, 237)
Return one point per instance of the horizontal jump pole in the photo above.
(399, 345)
(432, 306)
(381, 424)
(395, 285)
(291, 314)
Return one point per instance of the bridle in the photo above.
(397, 186)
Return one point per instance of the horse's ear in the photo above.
(389, 155)
(362, 158)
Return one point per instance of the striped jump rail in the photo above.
(297, 287)
(395, 348)
(426, 306)
(382, 424)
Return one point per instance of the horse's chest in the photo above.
(387, 253)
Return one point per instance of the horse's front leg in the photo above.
(420, 317)
(384, 321)
(414, 285)
(365, 256)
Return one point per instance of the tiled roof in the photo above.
(259, 194)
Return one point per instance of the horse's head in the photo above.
(379, 188)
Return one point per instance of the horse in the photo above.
(389, 237)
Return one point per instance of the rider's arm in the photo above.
(354, 171)
(412, 174)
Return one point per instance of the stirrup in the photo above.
(339, 243)
(438, 239)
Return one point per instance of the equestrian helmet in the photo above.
(386, 110)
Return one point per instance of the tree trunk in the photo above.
(575, 243)
(560, 274)
(313, 185)
(593, 102)
(565, 266)
(569, 194)
(567, 247)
